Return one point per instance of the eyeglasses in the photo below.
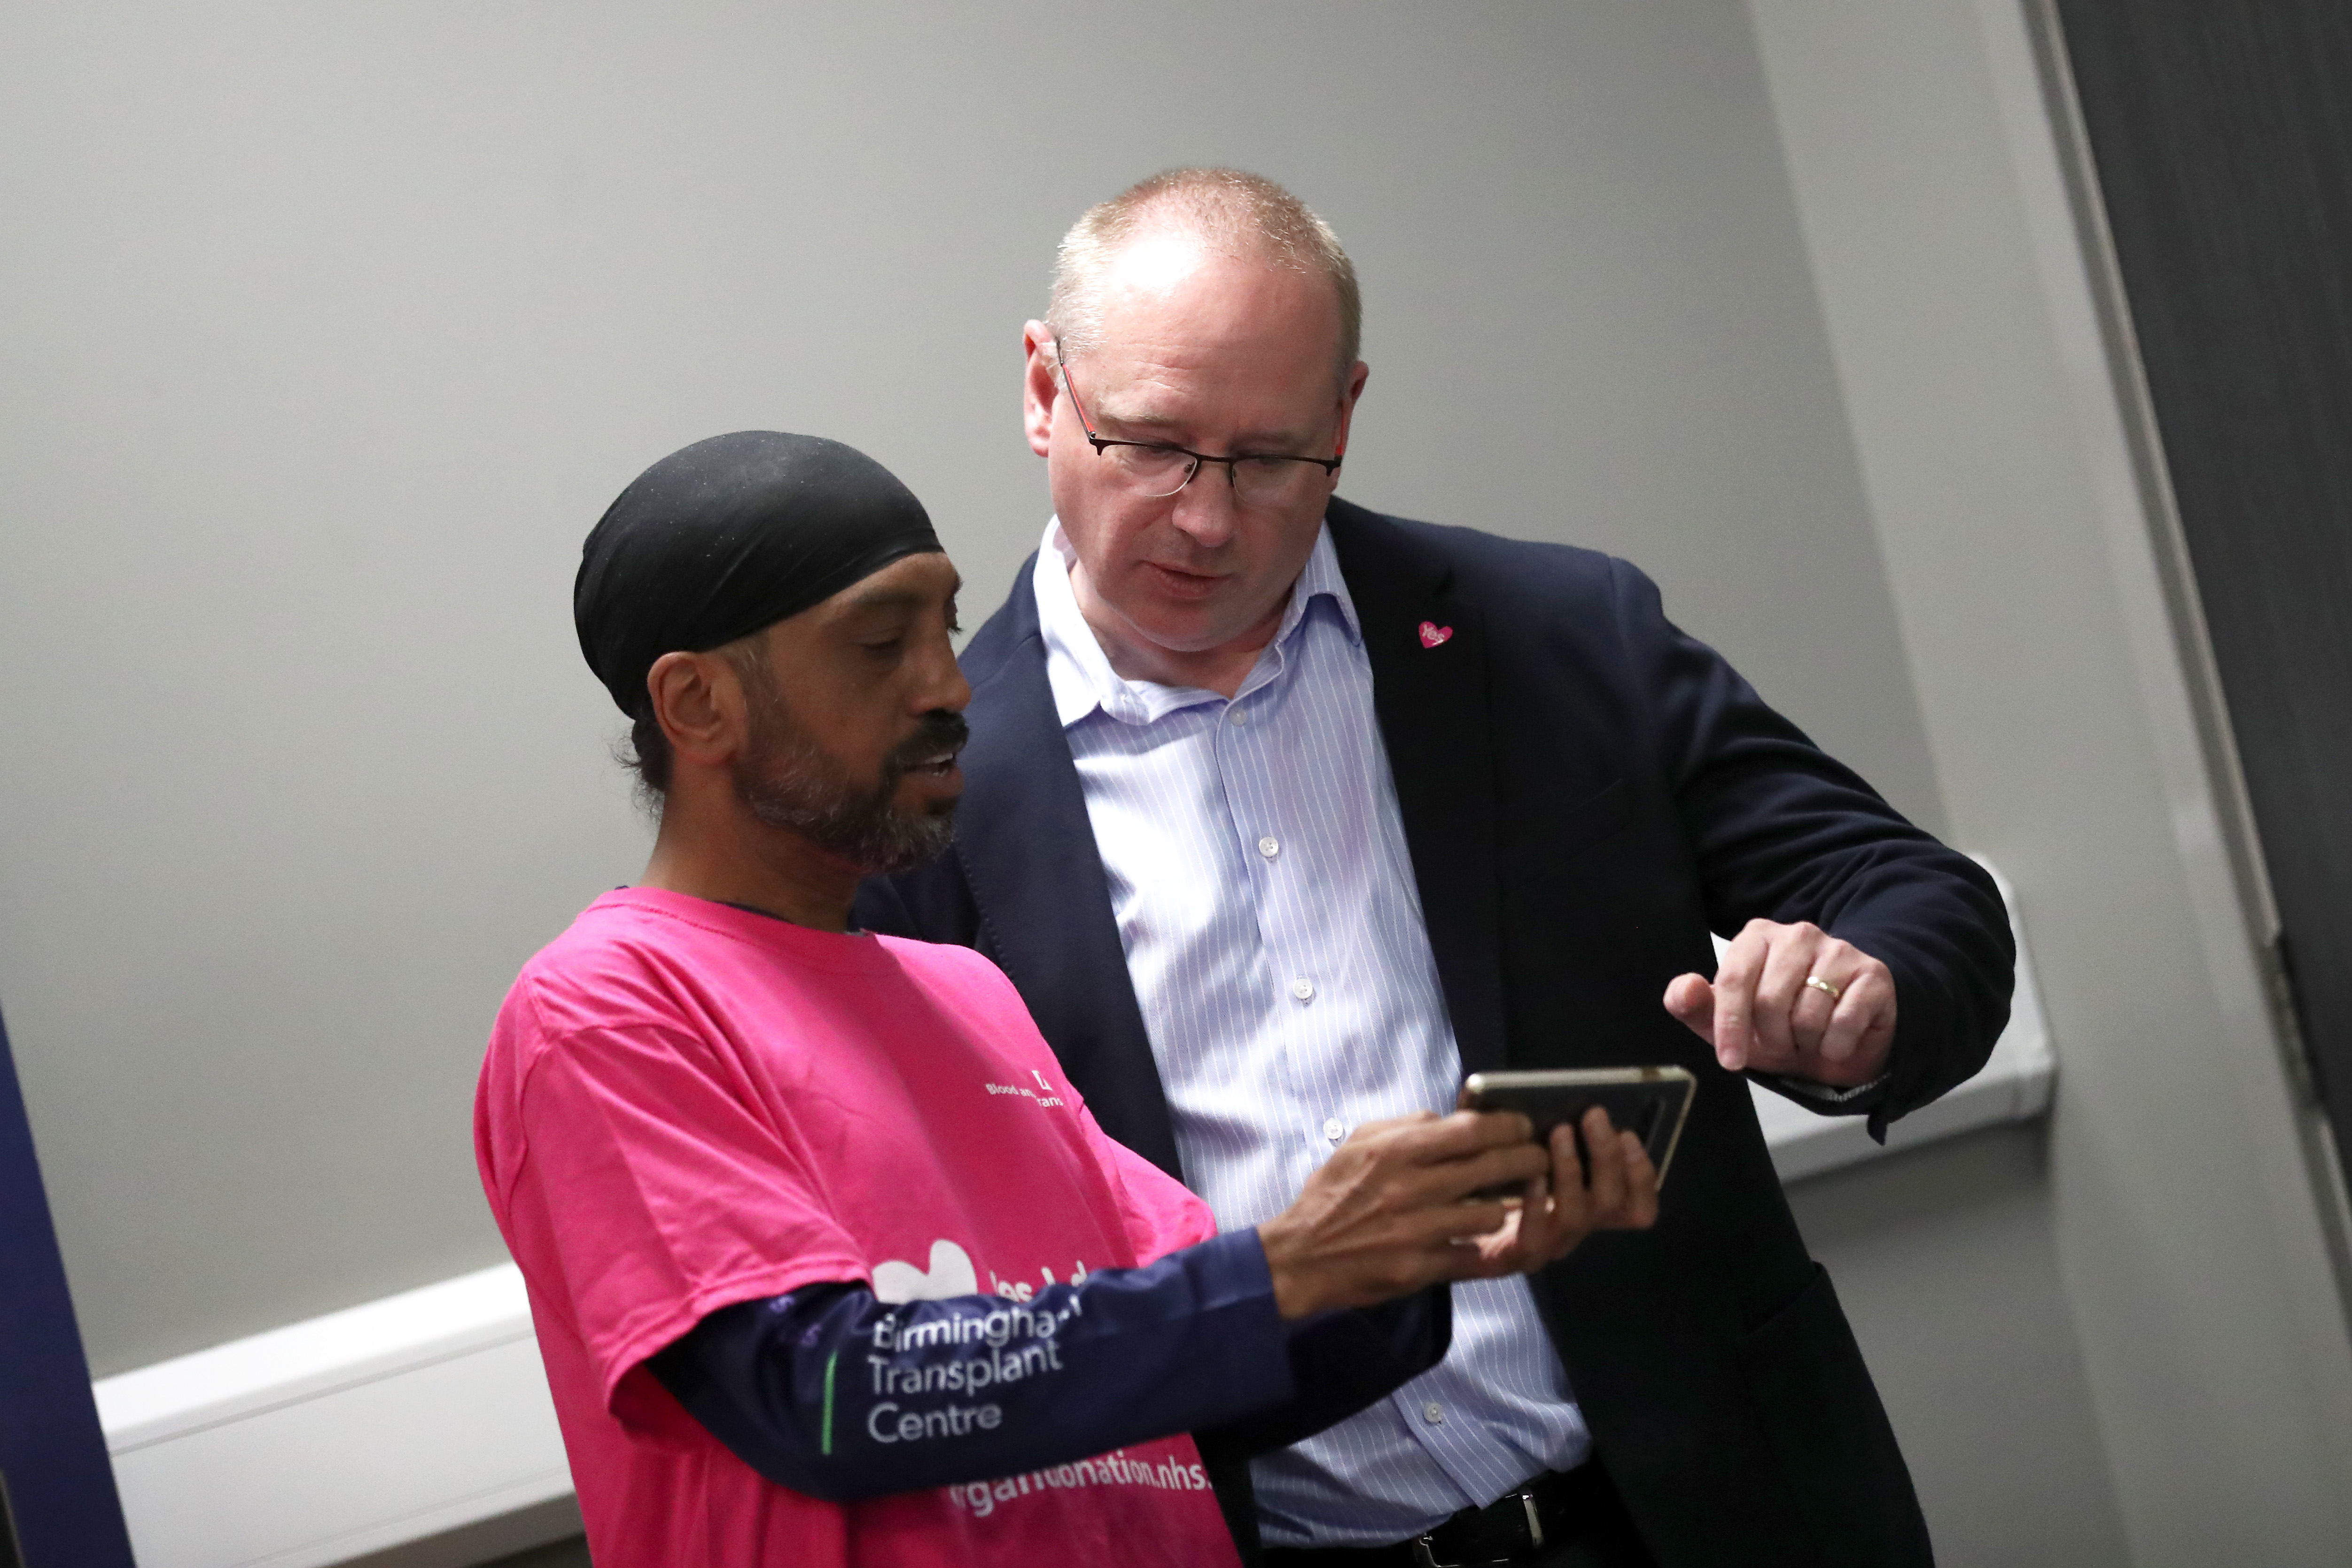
(1156, 469)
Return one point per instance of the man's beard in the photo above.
(787, 781)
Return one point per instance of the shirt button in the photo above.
(1433, 1412)
(1236, 715)
(1333, 1130)
(1302, 989)
(1269, 846)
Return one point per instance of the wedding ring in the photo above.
(1832, 992)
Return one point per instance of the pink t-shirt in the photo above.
(686, 1106)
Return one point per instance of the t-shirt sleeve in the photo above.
(1160, 1213)
(660, 1192)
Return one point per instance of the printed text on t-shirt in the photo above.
(1048, 1098)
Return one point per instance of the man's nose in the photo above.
(950, 690)
(1204, 508)
(941, 684)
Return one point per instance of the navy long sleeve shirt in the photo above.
(839, 1395)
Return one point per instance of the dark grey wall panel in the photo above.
(2222, 136)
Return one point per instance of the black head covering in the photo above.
(727, 536)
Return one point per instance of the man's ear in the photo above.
(699, 704)
(1037, 386)
(1350, 393)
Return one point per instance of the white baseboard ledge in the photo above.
(412, 1430)
(332, 1439)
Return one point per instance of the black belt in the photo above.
(1552, 1510)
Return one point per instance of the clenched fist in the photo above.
(1792, 999)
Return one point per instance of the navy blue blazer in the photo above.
(1587, 792)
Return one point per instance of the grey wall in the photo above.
(2178, 1218)
(1946, 1260)
(330, 329)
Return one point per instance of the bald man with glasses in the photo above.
(1283, 815)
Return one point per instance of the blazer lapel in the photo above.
(1028, 853)
(1431, 695)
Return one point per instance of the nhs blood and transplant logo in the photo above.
(951, 1275)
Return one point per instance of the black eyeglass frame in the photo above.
(1232, 478)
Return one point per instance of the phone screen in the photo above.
(1649, 1102)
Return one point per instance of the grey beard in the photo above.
(786, 782)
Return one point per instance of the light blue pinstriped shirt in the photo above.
(1258, 869)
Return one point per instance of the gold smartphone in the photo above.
(1649, 1102)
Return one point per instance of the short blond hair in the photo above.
(1235, 212)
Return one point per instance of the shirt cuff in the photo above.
(1828, 1098)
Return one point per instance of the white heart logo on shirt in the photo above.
(952, 1275)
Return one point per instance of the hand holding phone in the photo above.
(1391, 1212)
(1601, 1178)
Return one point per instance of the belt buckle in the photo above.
(1425, 1547)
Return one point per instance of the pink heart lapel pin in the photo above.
(1432, 633)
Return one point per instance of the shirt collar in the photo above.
(1079, 671)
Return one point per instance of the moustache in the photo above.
(937, 733)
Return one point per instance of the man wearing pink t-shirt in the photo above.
(828, 1262)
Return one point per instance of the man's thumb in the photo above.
(1690, 999)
